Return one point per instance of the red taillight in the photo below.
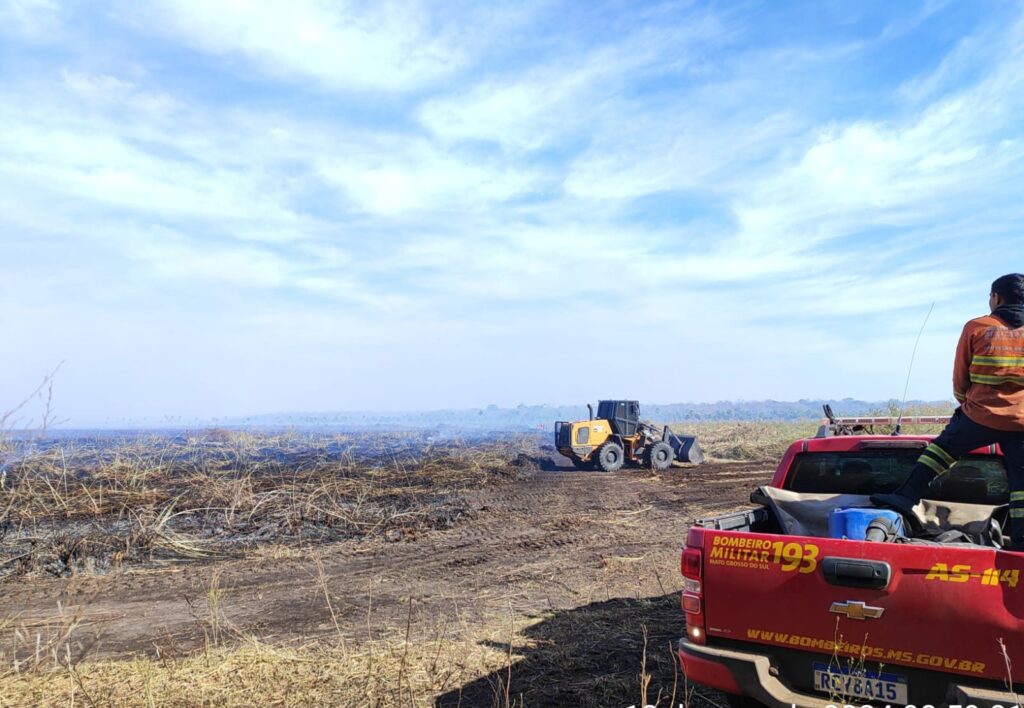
(692, 563)
(692, 566)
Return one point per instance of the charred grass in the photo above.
(97, 507)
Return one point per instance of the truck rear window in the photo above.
(976, 479)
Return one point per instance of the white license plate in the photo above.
(841, 683)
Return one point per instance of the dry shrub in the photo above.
(750, 441)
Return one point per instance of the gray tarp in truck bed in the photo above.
(804, 514)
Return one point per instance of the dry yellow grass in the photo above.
(767, 440)
(748, 441)
(255, 673)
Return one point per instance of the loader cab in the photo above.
(623, 416)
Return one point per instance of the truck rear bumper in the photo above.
(750, 674)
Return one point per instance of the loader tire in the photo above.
(659, 456)
(610, 456)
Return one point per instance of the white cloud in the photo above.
(524, 113)
(533, 107)
(379, 46)
(95, 86)
(649, 150)
(904, 25)
(792, 197)
(172, 255)
(936, 164)
(107, 171)
(392, 175)
(30, 20)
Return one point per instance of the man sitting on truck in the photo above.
(988, 382)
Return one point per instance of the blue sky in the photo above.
(236, 207)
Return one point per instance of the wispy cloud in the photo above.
(29, 20)
(531, 107)
(376, 46)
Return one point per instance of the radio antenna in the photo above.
(910, 370)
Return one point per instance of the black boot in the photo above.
(909, 493)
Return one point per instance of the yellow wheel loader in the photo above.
(617, 437)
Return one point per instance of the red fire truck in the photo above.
(786, 606)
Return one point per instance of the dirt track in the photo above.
(555, 541)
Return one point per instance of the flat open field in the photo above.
(238, 569)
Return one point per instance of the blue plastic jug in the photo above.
(852, 523)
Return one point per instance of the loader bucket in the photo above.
(686, 447)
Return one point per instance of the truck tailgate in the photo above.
(944, 608)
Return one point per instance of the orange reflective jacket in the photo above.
(988, 375)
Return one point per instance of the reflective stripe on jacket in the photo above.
(988, 375)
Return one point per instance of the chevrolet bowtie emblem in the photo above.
(856, 610)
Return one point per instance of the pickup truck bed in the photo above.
(781, 613)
